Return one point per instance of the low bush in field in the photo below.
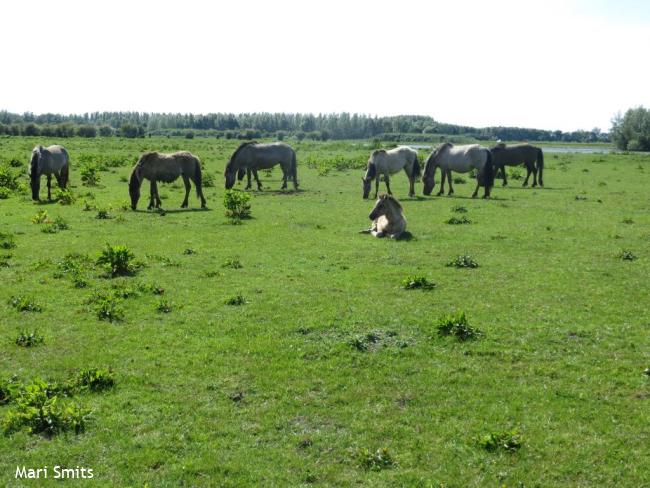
(463, 261)
(89, 174)
(64, 196)
(7, 241)
(459, 220)
(23, 304)
(107, 308)
(417, 283)
(509, 441)
(55, 226)
(459, 209)
(457, 325)
(93, 379)
(233, 263)
(236, 300)
(29, 339)
(117, 260)
(40, 217)
(627, 255)
(375, 461)
(164, 306)
(237, 204)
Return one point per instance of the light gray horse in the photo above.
(155, 166)
(52, 160)
(254, 155)
(530, 156)
(460, 159)
(386, 163)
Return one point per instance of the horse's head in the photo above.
(429, 176)
(231, 174)
(371, 173)
(385, 204)
(134, 187)
(34, 172)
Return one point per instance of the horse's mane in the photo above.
(379, 151)
(242, 146)
(391, 199)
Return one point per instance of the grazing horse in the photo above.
(386, 163)
(155, 166)
(251, 156)
(387, 218)
(532, 157)
(52, 160)
(460, 159)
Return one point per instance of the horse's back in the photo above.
(394, 159)
(56, 158)
(270, 153)
(168, 167)
(463, 158)
(515, 154)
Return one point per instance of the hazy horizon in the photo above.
(544, 65)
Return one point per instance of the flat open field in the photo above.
(329, 356)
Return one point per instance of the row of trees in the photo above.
(327, 126)
(631, 132)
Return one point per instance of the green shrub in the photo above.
(29, 339)
(4, 193)
(56, 225)
(237, 204)
(459, 209)
(7, 241)
(23, 304)
(89, 174)
(417, 283)
(236, 300)
(164, 306)
(509, 441)
(459, 220)
(207, 180)
(103, 214)
(41, 217)
(94, 379)
(627, 255)
(463, 261)
(117, 260)
(375, 461)
(64, 196)
(233, 263)
(107, 308)
(457, 325)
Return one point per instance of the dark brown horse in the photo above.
(155, 166)
(530, 156)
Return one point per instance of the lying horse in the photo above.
(52, 160)
(532, 157)
(155, 166)
(460, 159)
(251, 156)
(386, 163)
(387, 218)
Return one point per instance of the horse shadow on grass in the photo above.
(162, 211)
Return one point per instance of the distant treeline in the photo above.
(280, 125)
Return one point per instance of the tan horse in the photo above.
(386, 163)
(155, 166)
(387, 218)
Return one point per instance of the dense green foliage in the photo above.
(279, 125)
(632, 131)
(324, 370)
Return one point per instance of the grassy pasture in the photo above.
(329, 359)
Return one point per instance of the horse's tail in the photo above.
(294, 169)
(540, 166)
(417, 170)
(488, 170)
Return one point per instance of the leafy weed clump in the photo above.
(89, 175)
(23, 304)
(417, 282)
(458, 220)
(459, 209)
(41, 217)
(233, 263)
(463, 261)
(93, 379)
(375, 461)
(117, 260)
(55, 226)
(458, 326)
(509, 441)
(237, 204)
(107, 308)
(29, 339)
(236, 300)
(64, 196)
(627, 255)
(7, 241)
(103, 214)
(164, 306)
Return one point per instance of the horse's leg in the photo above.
(158, 202)
(248, 178)
(259, 183)
(528, 171)
(532, 165)
(376, 185)
(387, 181)
(505, 178)
(284, 177)
(186, 182)
(451, 188)
(49, 187)
(443, 175)
(152, 192)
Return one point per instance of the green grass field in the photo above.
(330, 360)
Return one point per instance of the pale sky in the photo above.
(547, 64)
